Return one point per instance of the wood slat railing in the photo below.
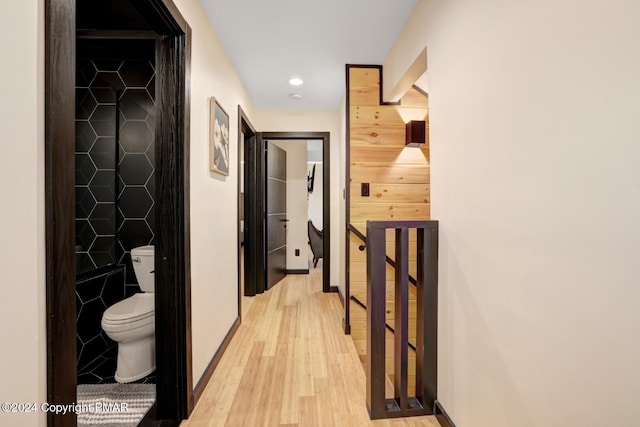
(402, 405)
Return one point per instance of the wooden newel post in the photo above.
(376, 289)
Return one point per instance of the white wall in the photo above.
(315, 198)
(314, 121)
(296, 203)
(214, 275)
(22, 253)
(22, 256)
(534, 160)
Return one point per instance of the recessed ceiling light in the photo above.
(296, 97)
(295, 81)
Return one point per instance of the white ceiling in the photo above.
(270, 41)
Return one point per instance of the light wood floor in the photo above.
(290, 364)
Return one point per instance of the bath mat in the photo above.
(114, 405)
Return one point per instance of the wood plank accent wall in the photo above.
(399, 188)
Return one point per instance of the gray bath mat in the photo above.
(114, 405)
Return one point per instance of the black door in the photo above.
(276, 193)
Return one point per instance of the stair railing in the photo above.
(402, 405)
(391, 263)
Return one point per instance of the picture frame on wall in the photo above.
(218, 138)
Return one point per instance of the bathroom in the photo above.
(115, 211)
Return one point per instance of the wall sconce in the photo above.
(415, 133)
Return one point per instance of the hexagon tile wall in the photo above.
(115, 186)
(115, 121)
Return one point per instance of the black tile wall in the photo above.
(115, 188)
(96, 351)
(95, 172)
(115, 143)
(136, 169)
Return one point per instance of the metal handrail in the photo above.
(391, 262)
(389, 328)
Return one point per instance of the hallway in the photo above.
(290, 364)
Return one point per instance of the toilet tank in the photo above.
(143, 266)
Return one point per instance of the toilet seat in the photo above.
(135, 309)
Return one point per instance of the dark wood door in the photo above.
(276, 221)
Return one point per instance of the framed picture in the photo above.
(218, 139)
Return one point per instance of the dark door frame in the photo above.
(175, 398)
(255, 206)
(254, 266)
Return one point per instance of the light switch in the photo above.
(364, 189)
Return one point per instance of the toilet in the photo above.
(131, 322)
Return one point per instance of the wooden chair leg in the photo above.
(315, 262)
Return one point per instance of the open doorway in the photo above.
(303, 188)
(255, 208)
(158, 174)
(315, 203)
(249, 261)
(115, 219)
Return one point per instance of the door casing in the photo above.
(255, 162)
(175, 399)
(254, 261)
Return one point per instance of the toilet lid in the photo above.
(136, 307)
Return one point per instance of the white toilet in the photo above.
(131, 322)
